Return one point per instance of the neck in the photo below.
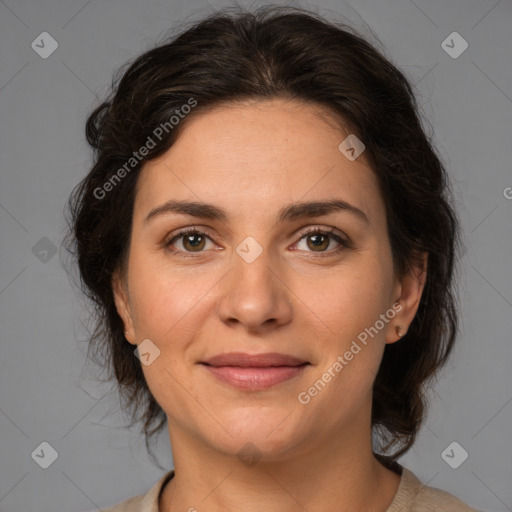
(335, 476)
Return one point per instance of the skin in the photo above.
(251, 159)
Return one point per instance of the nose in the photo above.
(255, 296)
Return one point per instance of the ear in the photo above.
(407, 293)
(121, 299)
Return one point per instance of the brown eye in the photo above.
(318, 241)
(193, 242)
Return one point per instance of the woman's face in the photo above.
(253, 280)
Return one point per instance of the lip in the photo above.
(252, 372)
(253, 360)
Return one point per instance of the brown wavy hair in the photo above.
(286, 52)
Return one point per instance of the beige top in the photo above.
(411, 496)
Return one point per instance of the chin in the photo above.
(261, 435)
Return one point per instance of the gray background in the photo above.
(47, 394)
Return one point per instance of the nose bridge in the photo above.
(253, 295)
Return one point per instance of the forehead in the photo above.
(259, 152)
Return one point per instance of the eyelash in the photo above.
(344, 244)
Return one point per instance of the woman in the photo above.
(268, 236)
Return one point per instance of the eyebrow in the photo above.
(290, 212)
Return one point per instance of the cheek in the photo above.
(349, 299)
(161, 297)
(349, 304)
(161, 312)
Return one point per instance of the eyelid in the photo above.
(202, 230)
(322, 229)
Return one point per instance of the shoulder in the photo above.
(413, 496)
(131, 505)
(430, 498)
(143, 502)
